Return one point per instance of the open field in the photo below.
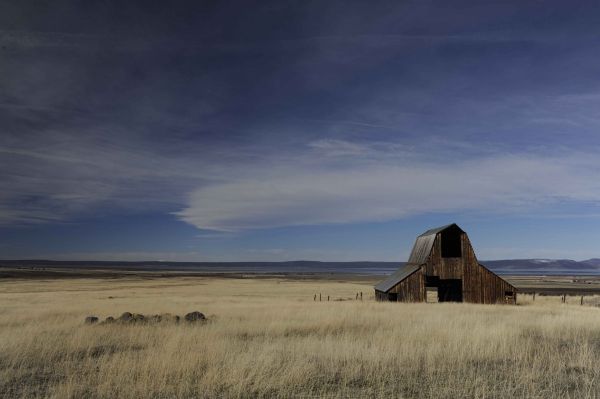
(268, 337)
(570, 285)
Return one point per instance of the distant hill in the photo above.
(546, 266)
(512, 266)
(592, 262)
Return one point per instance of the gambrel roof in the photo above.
(424, 244)
(418, 257)
(436, 230)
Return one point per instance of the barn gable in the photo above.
(425, 241)
(443, 261)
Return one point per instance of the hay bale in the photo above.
(126, 317)
(195, 316)
(163, 318)
(135, 318)
(138, 318)
(169, 318)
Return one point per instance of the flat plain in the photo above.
(268, 337)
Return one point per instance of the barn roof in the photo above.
(396, 277)
(418, 256)
(436, 230)
(424, 244)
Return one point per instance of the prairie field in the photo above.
(268, 337)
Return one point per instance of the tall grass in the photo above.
(269, 338)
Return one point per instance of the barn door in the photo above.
(450, 290)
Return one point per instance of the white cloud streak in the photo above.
(391, 189)
(63, 176)
(53, 176)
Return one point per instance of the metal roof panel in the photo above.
(397, 277)
(436, 230)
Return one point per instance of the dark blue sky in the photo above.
(297, 130)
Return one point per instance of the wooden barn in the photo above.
(443, 268)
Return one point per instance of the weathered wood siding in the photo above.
(479, 285)
(411, 289)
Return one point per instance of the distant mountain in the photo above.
(512, 266)
(592, 262)
(547, 266)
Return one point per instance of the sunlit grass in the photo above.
(269, 338)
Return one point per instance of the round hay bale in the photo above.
(91, 320)
(138, 318)
(126, 317)
(194, 316)
(169, 318)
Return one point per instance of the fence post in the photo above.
(327, 297)
(534, 297)
(582, 300)
(319, 297)
(315, 298)
(361, 295)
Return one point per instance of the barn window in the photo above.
(451, 243)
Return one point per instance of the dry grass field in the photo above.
(268, 338)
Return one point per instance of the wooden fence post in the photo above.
(582, 300)
(327, 297)
(319, 297)
(315, 298)
(534, 297)
(361, 295)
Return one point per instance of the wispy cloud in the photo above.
(405, 118)
(53, 176)
(63, 176)
(332, 147)
(391, 189)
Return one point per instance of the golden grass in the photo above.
(270, 339)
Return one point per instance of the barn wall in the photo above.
(380, 295)
(444, 268)
(411, 289)
(478, 283)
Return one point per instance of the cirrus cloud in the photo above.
(389, 190)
